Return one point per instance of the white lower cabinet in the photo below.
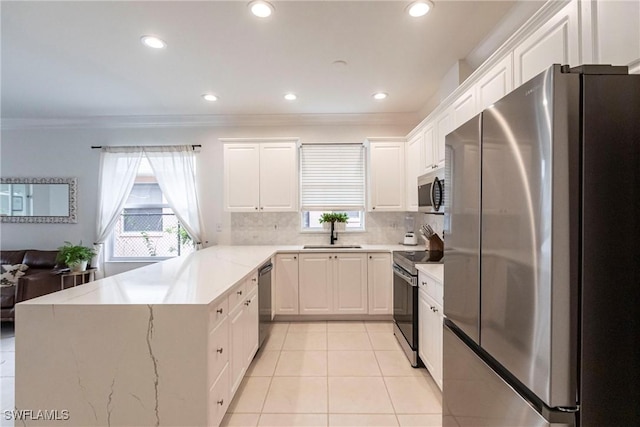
(350, 283)
(286, 284)
(333, 283)
(219, 398)
(243, 332)
(380, 283)
(430, 333)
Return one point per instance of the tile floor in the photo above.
(314, 374)
(334, 374)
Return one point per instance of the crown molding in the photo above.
(221, 120)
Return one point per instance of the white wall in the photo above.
(68, 153)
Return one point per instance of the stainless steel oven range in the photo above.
(405, 298)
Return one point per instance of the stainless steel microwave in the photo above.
(431, 192)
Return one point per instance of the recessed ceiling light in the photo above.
(290, 97)
(153, 41)
(420, 8)
(209, 97)
(379, 96)
(261, 8)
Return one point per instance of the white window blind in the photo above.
(332, 177)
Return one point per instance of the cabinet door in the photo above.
(237, 364)
(437, 345)
(219, 398)
(413, 161)
(445, 125)
(278, 177)
(428, 154)
(286, 288)
(495, 83)
(387, 176)
(350, 283)
(556, 42)
(380, 280)
(316, 290)
(251, 329)
(464, 108)
(428, 324)
(241, 177)
(424, 313)
(617, 33)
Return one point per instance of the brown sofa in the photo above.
(40, 279)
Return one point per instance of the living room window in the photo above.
(332, 178)
(147, 228)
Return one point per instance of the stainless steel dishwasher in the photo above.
(264, 300)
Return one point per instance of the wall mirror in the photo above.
(38, 200)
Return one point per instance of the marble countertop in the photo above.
(436, 271)
(198, 278)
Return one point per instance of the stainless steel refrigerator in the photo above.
(541, 264)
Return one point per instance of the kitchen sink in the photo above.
(332, 247)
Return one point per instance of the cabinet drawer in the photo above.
(218, 354)
(432, 287)
(219, 397)
(237, 295)
(218, 312)
(252, 282)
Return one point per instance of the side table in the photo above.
(79, 276)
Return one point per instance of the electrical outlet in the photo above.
(219, 227)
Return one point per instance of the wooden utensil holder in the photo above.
(436, 244)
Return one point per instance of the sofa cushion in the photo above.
(40, 259)
(11, 257)
(11, 274)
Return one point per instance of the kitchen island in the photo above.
(145, 347)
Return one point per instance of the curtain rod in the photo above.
(193, 146)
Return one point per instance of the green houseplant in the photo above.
(334, 217)
(75, 257)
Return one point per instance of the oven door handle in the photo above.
(404, 276)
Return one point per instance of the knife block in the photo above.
(436, 244)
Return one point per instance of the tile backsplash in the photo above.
(284, 229)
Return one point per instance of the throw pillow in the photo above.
(11, 274)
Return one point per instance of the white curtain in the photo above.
(118, 169)
(175, 171)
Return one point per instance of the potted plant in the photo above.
(339, 219)
(75, 257)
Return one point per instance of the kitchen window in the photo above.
(147, 228)
(332, 179)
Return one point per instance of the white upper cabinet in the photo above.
(241, 177)
(429, 156)
(463, 108)
(617, 33)
(555, 42)
(495, 83)
(261, 177)
(414, 162)
(387, 175)
(278, 177)
(444, 125)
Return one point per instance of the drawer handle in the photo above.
(220, 402)
(370, 257)
(254, 279)
(239, 292)
(295, 257)
(435, 310)
(219, 311)
(424, 283)
(247, 302)
(432, 307)
(219, 350)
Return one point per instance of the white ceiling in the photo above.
(82, 59)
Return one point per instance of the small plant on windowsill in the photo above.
(76, 257)
(338, 218)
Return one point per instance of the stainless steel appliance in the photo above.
(405, 298)
(541, 266)
(264, 301)
(431, 192)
